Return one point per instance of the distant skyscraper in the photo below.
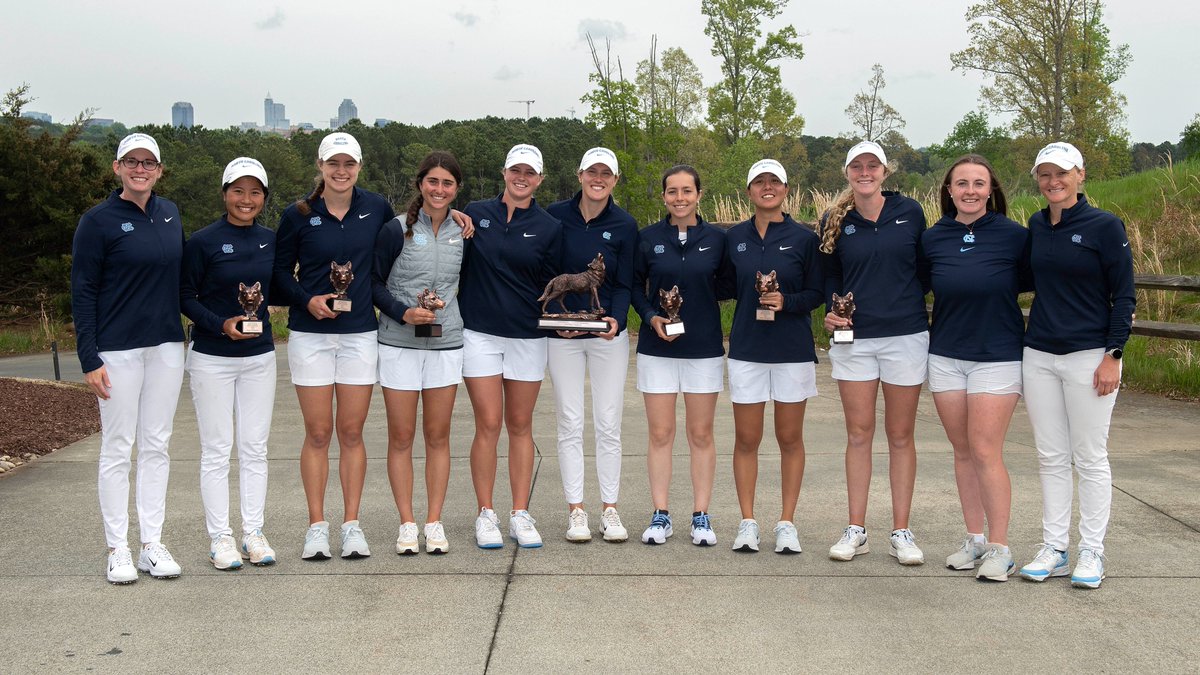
(275, 116)
(382, 122)
(182, 115)
(346, 112)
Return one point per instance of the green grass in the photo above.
(1161, 366)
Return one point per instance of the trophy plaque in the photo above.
(340, 276)
(671, 302)
(250, 298)
(587, 281)
(428, 299)
(765, 283)
(843, 306)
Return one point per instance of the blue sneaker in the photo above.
(659, 530)
(1049, 562)
(1089, 571)
(702, 532)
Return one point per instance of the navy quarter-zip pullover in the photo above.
(315, 240)
(125, 266)
(976, 274)
(1083, 273)
(790, 249)
(698, 267)
(613, 233)
(877, 261)
(215, 260)
(506, 266)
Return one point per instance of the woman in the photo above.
(680, 251)
(514, 253)
(592, 223)
(871, 240)
(125, 302)
(978, 262)
(771, 354)
(1078, 325)
(232, 373)
(418, 252)
(332, 354)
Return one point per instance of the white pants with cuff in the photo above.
(231, 392)
(606, 363)
(1070, 424)
(141, 407)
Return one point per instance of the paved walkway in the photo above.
(603, 607)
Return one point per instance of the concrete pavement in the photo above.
(603, 607)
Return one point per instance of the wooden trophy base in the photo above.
(246, 327)
(764, 314)
(428, 330)
(339, 304)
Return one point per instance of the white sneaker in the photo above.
(786, 538)
(1048, 562)
(964, 558)
(747, 536)
(256, 549)
(487, 529)
(120, 566)
(354, 542)
(157, 560)
(904, 548)
(316, 542)
(702, 531)
(659, 530)
(521, 527)
(406, 541)
(611, 526)
(435, 538)
(577, 526)
(223, 553)
(1089, 571)
(852, 543)
(997, 564)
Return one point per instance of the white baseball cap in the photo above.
(139, 140)
(1061, 154)
(244, 166)
(865, 148)
(599, 156)
(339, 143)
(524, 154)
(766, 166)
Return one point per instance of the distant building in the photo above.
(275, 116)
(39, 116)
(305, 126)
(100, 122)
(346, 112)
(182, 115)
(248, 126)
(382, 122)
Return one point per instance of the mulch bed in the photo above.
(39, 417)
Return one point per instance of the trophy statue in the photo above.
(340, 276)
(671, 302)
(843, 306)
(429, 300)
(765, 283)
(250, 297)
(587, 281)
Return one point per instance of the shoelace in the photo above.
(578, 519)
(747, 528)
(1089, 558)
(701, 522)
(435, 531)
(255, 540)
(121, 557)
(849, 536)
(660, 520)
(905, 537)
(160, 552)
(968, 547)
(315, 533)
(408, 532)
(352, 532)
(224, 545)
(610, 518)
(1047, 555)
(787, 530)
(523, 520)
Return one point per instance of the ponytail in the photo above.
(410, 218)
(304, 206)
(832, 227)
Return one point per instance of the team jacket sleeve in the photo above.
(1116, 259)
(641, 281)
(87, 266)
(1024, 267)
(726, 277)
(287, 290)
(388, 246)
(623, 286)
(811, 294)
(191, 278)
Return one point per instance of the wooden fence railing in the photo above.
(1166, 282)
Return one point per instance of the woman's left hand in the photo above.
(1107, 377)
(464, 221)
(772, 300)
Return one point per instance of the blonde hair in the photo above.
(842, 205)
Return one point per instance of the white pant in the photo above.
(141, 406)
(225, 388)
(607, 362)
(1070, 422)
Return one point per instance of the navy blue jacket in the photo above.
(1083, 272)
(314, 241)
(790, 249)
(125, 277)
(975, 285)
(506, 266)
(699, 269)
(877, 261)
(613, 233)
(215, 260)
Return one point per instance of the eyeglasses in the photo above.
(147, 164)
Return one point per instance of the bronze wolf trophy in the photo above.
(250, 298)
(587, 281)
(340, 276)
(671, 302)
(765, 283)
(843, 306)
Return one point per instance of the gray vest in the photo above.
(426, 262)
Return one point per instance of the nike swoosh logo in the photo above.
(964, 249)
(1124, 245)
(705, 248)
(262, 245)
(153, 562)
(901, 222)
(528, 235)
(167, 220)
(784, 248)
(363, 215)
(455, 241)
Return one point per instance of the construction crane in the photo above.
(528, 102)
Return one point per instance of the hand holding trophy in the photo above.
(340, 276)
(429, 299)
(764, 284)
(843, 306)
(672, 302)
(250, 298)
(587, 281)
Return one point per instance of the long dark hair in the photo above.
(996, 202)
(434, 160)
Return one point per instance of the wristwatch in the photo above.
(1116, 353)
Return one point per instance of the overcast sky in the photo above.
(424, 62)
